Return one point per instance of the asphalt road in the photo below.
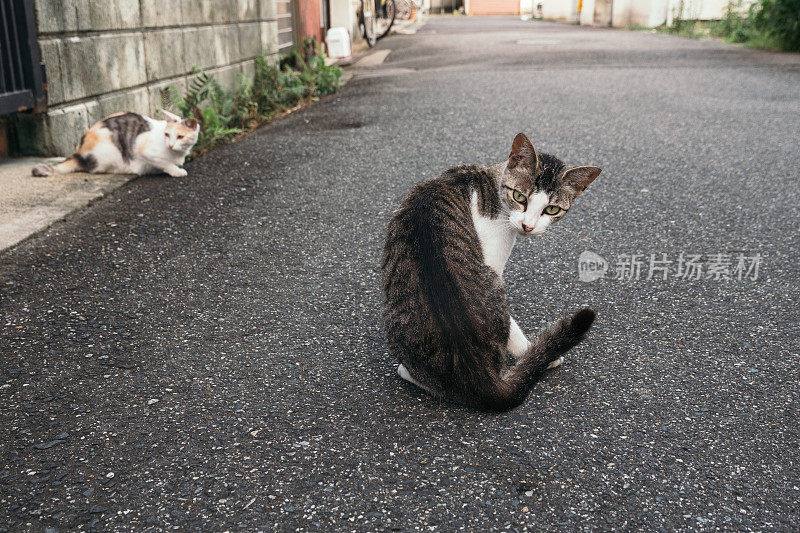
(207, 352)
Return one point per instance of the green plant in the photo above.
(327, 76)
(779, 22)
(210, 104)
(771, 24)
(223, 114)
(734, 26)
(679, 24)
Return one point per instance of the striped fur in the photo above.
(446, 316)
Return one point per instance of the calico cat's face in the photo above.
(180, 134)
(538, 189)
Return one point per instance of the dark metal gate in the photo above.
(21, 84)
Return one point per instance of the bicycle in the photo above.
(386, 11)
(366, 22)
(376, 22)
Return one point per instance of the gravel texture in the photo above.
(207, 352)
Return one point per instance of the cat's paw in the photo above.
(41, 170)
(556, 363)
(178, 173)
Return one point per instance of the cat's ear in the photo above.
(191, 123)
(171, 117)
(580, 177)
(523, 154)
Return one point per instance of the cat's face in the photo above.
(181, 136)
(538, 189)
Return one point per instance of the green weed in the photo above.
(766, 24)
(223, 114)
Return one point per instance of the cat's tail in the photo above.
(74, 163)
(511, 389)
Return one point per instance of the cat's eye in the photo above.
(551, 210)
(519, 197)
(180, 136)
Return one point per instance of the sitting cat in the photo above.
(129, 143)
(446, 316)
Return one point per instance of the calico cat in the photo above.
(129, 143)
(445, 310)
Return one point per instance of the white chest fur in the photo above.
(497, 237)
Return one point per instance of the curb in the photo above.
(29, 205)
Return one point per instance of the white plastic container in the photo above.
(338, 42)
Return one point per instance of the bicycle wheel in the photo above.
(384, 18)
(367, 23)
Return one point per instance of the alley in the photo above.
(207, 352)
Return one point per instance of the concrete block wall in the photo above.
(102, 57)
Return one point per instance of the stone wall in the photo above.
(102, 57)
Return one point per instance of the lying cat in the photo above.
(129, 143)
(446, 316)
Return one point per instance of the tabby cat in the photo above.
(129, 143)
(445, 310)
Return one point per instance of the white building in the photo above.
(618, 13)
(623, 13)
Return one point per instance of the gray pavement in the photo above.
(206, 352)
(30, 204)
